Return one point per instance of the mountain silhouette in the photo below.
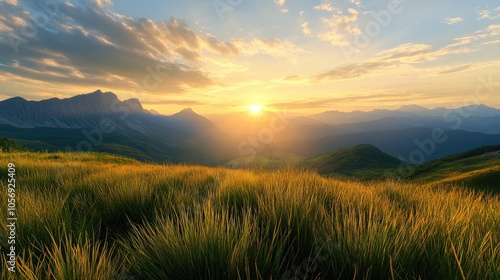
(99, 121)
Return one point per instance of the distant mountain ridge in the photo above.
(406, 111)
(67, 113)
(55, 124)
(196, 122)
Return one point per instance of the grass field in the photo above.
(89, 216)
(478, 169)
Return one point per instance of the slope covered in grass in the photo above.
(87, 216)
(361, 161)
(478, 169)
(9, 145)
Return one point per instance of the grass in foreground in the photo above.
(86, 216)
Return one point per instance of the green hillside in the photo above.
(9, 145)
(98, 216)
(361, 162)
(478, 169)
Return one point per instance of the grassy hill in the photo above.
(9, 145)
(97, 216)
(478, 169)
(361, 162)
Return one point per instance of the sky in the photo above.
(302, 56)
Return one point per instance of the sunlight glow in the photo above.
(255, 109)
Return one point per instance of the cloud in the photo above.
(456, 69)
(484, 14)
(401, 57)
(353, 11)
(353, 71)
(325, 7)
(284, 11)
(85, 45)
(373, 97)
(173, 102)
(416, 53)
(341, 26)
(489, 14)
(10, 2)
(408, 52)
(305, 28)
(273, 47)
(487, 33)
(103, 3)
(464, 67)
(490, 43)
(188, 54)
(454, 20)
(492, 30)
(224, 48)
(357, 3)
(280, 2)
(219, 67)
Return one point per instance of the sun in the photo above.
(255, 109)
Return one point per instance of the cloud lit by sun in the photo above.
(318, 55)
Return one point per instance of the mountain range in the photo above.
(99, 121)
